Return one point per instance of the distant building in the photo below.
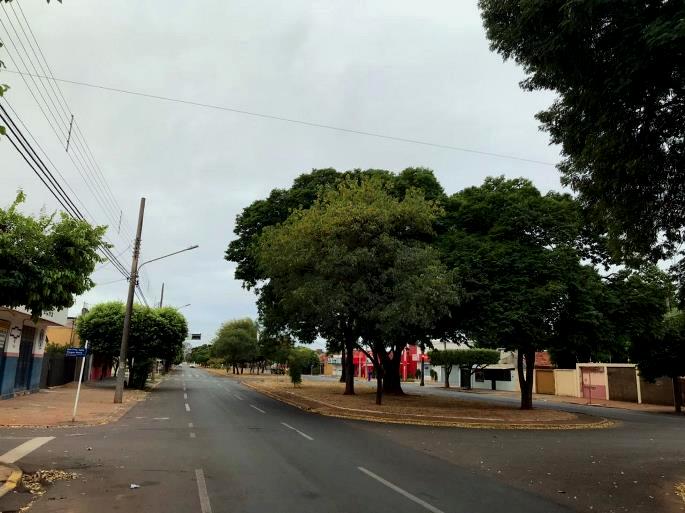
(22, 344)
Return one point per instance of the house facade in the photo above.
(22, 344)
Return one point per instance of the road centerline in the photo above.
(258, 409)
(205, 506)
(187, 407)
(238, 396)
(305, 435)
(402, 492)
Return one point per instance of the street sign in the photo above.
(78, 352)
(196, 336)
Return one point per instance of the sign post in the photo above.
(82, 352)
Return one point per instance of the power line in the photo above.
(301, 122)
(68, 111)
(92, 182)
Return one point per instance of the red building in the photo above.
(408, 366)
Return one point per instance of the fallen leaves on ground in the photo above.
(36, 481)
(680, 490)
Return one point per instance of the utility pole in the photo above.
(161, 297)
(133, 278)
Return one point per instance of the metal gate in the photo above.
(21, 378)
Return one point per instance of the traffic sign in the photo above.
(78, 352)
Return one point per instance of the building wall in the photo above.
(15, 322)
(622, 384)
(659, 392)
(566, 382)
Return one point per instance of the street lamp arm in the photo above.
(170, 254)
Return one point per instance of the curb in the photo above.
(603, 423)
(12, 481)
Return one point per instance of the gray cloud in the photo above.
(417, 70)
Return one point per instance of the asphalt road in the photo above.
(204, 443)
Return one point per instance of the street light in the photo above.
(133, 278)
(183, 306)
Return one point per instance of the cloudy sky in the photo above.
(418, 70)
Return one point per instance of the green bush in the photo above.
(295, 372)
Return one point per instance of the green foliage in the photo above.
(357, 261)
(618, 72)
(45, 261)
(467, 358)
(280, 203)
(663, 353)
(154, 333)
(236, 343)
(307, 358)
(200, 354)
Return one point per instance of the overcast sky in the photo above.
(419, 70)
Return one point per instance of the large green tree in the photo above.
(154, 333)
(357, 266)
(618, 71)
(236, 343)
(516, 251)
(45, 261)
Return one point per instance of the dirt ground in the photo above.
(54, 406)
(326, 398)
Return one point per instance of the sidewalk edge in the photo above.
(12, 480)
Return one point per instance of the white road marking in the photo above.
(192, 435)
(185, 396)
(190, 425)
(399, 490)
(297, 431)
(160, 418)
(258, 409)
(238, 396)
(27, 447)
(187, 407)
(202, 491)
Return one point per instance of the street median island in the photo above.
(326, 398)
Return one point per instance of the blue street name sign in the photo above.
(79, 352)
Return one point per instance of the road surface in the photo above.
(208, 444)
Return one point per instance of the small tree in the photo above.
(295, 367)
(468, 359)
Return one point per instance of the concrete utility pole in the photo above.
(133, 278)
(161, 297)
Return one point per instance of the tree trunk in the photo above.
(677, 395)
(343, 360)
(392, 383)
(348, 368)
(526, 379)
(448, 371)
(421, 371)
(379, 384)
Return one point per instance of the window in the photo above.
(497, 374)
(4, 331)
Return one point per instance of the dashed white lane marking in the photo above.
(187, 407)
(399, 490)
(185, 396)
(160, 418)
(192, 435)
(258, 409)
(205, 506)
(238, 396)
(297, 431)
(190, 425)
(27, 447)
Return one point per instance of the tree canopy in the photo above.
(45, 261)
(516, 251)
(154, 333)
(236, 343)
(357, 266)
(618, 71)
